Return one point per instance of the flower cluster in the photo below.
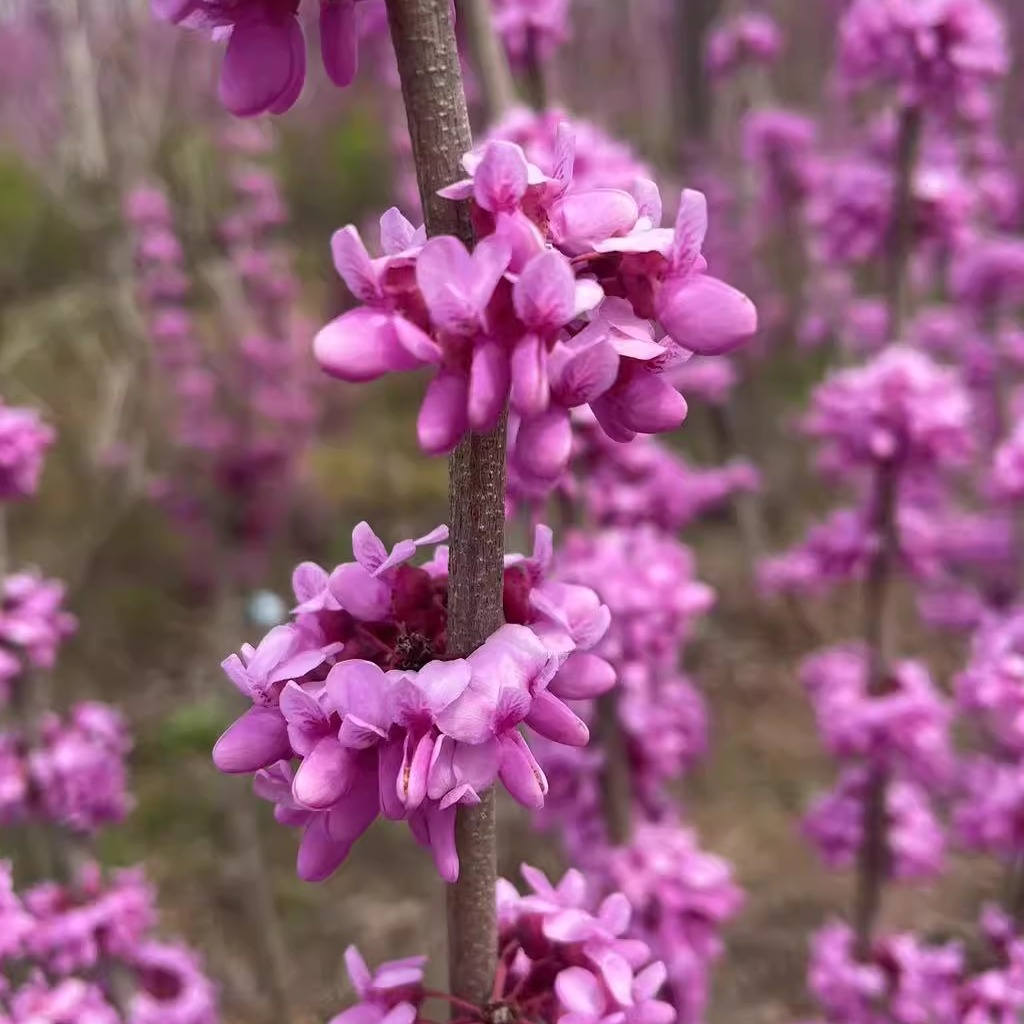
(941, 53)
(33, 624)
(264, 66)
(553, 310)
(681, 897)
(906, 981)
(564, 958)
(360, 687)
(781, 145)
(70, 773)
(58, 936)
(901, 409)
(24, 438)
(531, 29)
(915, 839)
(748, 39)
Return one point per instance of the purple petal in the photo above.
(691, 227)
(354, 265)
(256, 740)
(501, 177)
(443, 418)
(617, 975)
(307, 720)
(358, 973)
(319, 854)
(705, 315)
(544, 443)
(648, 201)
(520, 773)
(645, 403)
(289, 97)
(324, 776)
(584, 218)
(490, 261)
(585, 373)
(309, 581)
(362, 345)
(397, 234)
(415, 772)
(443, 682)
(339, 41)
(444, 274)
(553, 720)
(441, 829)
(489, 382)
(583, 676)
(367, 548)
(389, 778)
(360, 689)
(580, 992)
(237, 673)
(530, 391)
(360, 593)
(259, 66)
(545, 294)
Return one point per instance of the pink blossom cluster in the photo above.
(944, 54)
(531, 29)
(905, 980)
(599, 160)
(553, 310)
(989, 806)
(70, 772)
(901, 733)
(748, 39)
(901, 409)
(264, 67)
(33, 625)
(24, 439)
(851, 214)
(67, 940)
(681, 897)
(360, 689)
(564, 959)
(915, 837)
(781, 144)
(238, 445)
(645, 482)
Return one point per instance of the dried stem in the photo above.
(489, 59)
(908, 145)
(873, 859)
(435, 105)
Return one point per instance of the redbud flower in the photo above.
(552, 312)
(517, 20)
(170, 987)
(264, 65)
(747, 39)
(900, 409)
(358, 688)
(939, 52)
(904, 729)
(32, 620)
(24, 439)
(392, 994)
(915, 839)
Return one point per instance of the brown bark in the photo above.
(435, 103)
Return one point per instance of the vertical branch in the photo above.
(536, 75)
(616, 786)
(435, 104)
(873, 856)
(908, 145)
(691, 96)
(489, 59)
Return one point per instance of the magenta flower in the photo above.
(170, 987)
(746, 40)
(264, 66)
(24, 439)
(359, 690)
(552, 312)
(390, 995)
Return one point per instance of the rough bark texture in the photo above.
(435, 104)
(496, 85)
(873, 857)
(908, 144)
